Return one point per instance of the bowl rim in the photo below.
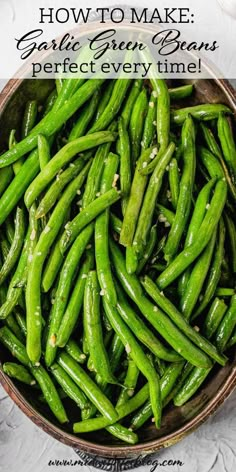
(125, 451)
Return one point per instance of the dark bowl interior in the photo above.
(177, 422)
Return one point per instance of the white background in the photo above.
(25, 448)
(211, 23)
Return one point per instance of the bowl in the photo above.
(177, 422)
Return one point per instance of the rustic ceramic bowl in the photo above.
(177, 422)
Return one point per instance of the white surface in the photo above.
(25, 448)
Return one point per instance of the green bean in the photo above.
(51, 123)
(163, 112)
(60, 392)
(6, 175)
(130, 383)
(134, 204)
(18, 372)
(129, 103)
(75, 352)
(64, 156)
(85, 344)
(215, 271)
(179, 93)
(174, 182)
(226, 326)
(186, 187)
(167, 382)
(228, 145)
(156, 317)
(44, 151)
(101, 233)
(115, 352)
(74, 306)
(53, 265)
(125, 164)
(20, 318)
(85, 117)
(12, 343)
(210, 140)
(191, 385)
(123, 410)
(150, 122)
(137, 354)
(166, 215)
(182, 378)
(197, 376)
(31, 166)
(104, 100)
(141, 416)
(215, 149)
(204, 112)
(148, 249)
(50, 393)
(159, 267)
(14, 327)
(16, 246)
(225, 292)
(116, 223)
(106, 323)
(12, 139)
(131, 260)
(9, 228)
(69, 88)
(214, 317)
(93, 329)
(142, 332)
(151, 195)
(136, 125)
(232, 341)
(199, 212)
(29, 118)
(12, 142)
(197, 278)
(180, 322)
(89, 387)
(55, 259)
(92, 186)
(54, 191)
(69, 387)
(122, 433)
(47, 237)
(73, 228)
(231, 230)
(50, 102)
(59, 85)
(117, 97)
(5, 248)
(63, 290)
(18, 185)
(18, 280)
(188, 255)
(211, 163)
(18, 350)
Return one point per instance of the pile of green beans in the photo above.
(117, 251)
